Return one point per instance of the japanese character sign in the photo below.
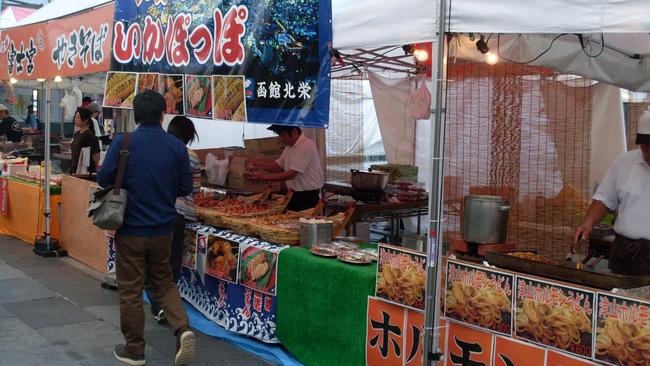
(68, 46)
(394, 336)
(468, 347)
(509, 352)
(279, 56)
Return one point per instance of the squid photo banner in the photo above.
(276, 51)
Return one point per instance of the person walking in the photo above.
(157, 172)
(182, 128)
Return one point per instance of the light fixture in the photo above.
(58, 79)
(40, 80)
(491, 58)
(408, 49)
(482, 46)
(421, 55)
(13, 80)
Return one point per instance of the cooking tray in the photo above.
(567, 272)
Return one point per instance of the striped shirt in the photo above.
(185, 205)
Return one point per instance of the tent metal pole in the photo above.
(434, 253)
(48, 123)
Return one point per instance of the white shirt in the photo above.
(96, 128)
(303, 158)
(626, 187)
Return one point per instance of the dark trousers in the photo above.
(630, 256)
(304, 200)
(136, 256)
(176, 261)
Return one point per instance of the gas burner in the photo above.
(368, 195)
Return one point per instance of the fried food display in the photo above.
(481, 306)
(627, 343)
(557, 326)
(229, 98)
(221, 261)
(120, 89)
(257, 267)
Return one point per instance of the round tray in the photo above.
(326, 252)
(354, 259)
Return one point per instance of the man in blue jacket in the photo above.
(157, 171)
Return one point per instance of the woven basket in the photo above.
(278, 236)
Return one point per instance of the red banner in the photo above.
(70, 46)
(4, 196)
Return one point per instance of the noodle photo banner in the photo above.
(479, 297)
(622, 331)
(555, 315)
(401, 276)
(279, 49)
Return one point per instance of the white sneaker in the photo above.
(186, 348)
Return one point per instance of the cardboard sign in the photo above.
(401, 276)
(479, 296)
(73, 45)
(622, 330)
(509, 352)
(555, 315)
(258, 266)
(468, 346)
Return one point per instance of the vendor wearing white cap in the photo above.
(299, 165)
(626, 188)
(9, 126)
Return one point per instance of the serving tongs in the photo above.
(586, 262)
(257, 198)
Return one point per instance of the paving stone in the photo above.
(50, 312)
(17, 336)
(22, 289)
(84, 341)
(38, 356)
(4, 313)
(8, 272)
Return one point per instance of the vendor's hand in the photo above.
(583, 231)
(253, 176)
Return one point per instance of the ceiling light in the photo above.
(491, 58)
(421, 55)
(13, 80)
(40, 80)
(482, 46)
(58, 79)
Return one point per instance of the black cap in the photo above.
(642, 139)
(278, 129)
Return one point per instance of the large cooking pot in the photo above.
(370, 181)
(485, 219)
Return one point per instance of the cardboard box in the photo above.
(269, 146)
(237, 168)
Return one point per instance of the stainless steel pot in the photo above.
(485, 219)
(315, 233)
(371, 181)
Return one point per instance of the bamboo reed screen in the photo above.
(519, 132)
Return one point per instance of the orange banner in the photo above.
(508, 352)
(559, 359)
(468, 346)
(70, 46)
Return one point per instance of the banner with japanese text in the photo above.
(394, 335)
(468, 346)
(276, 53)
(622, 330)
(555, 315)
(70, 46)
(510, 352)
(479, 296)
(4, 196)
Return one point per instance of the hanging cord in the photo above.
(534, 59)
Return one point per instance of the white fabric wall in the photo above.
(215, 133)
(607, 131)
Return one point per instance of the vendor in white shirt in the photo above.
(299, 165)
(626, 188)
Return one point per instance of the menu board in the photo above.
(401, 276)
(555, 315)
(622, 331)
(479, 296)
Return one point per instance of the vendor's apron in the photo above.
(630, 256)
(304, 200)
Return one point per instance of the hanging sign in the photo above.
(276, 52)
(69, 46)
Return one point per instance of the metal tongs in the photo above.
(574, 257)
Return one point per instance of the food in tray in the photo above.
(344, 245)
(324, 250)
(627, 343)
(371, 253)
(532, 256)
(353, 256)
(558, 326)
(482, 306)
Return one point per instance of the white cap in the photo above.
(643, 130)
(3, 107)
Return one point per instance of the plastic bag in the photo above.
(216, 169)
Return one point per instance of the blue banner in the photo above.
(276, 53)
